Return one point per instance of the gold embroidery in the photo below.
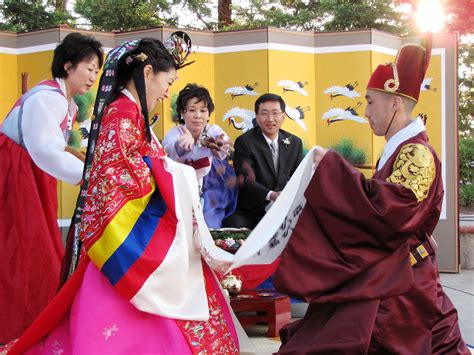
(414, 168)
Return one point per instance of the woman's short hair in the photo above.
(75, 48)
(192, 91)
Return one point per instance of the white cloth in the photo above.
(268, 239)
(182, 266)
(43, 113)
(413, 129)
(129, 95)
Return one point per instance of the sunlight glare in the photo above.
(430, 16)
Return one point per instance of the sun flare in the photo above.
(430, 16)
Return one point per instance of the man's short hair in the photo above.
(270, 97)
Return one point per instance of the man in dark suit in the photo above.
(265, 158)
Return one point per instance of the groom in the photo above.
(362, 253)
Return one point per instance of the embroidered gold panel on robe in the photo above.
(414, 169)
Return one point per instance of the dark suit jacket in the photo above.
(253, 165)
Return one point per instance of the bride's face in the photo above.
(158, 85)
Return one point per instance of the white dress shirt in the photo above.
(277, 148)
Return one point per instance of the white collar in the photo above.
(413, 129)
(269, 141)
(62, 86)
(72, 107)
(129, 95)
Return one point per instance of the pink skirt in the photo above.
(102, 322)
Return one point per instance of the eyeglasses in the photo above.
(273, 114)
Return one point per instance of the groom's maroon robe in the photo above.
(349, 257)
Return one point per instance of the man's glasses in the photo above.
(273, 114)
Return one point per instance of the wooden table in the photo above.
(262, 306)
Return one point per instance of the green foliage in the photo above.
(466, 160)
(124, 15)
(354, 155)
(281, 14)
(27, 15)
(466, 88)
(466, 171)
(75, 140)
(174, 111)
(466, 195)
(319, 15)
(363, 14)
(234, 233)
(85, 105)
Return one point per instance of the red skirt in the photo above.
(31, 245)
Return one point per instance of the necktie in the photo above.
(274, 155)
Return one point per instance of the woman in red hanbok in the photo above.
(33, 155)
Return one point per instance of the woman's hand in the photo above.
(186, 140)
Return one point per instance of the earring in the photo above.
(146, 87)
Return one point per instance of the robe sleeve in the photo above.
(388, 211)
(350, 242)
(44, 139)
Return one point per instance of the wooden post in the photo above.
(24, 82)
